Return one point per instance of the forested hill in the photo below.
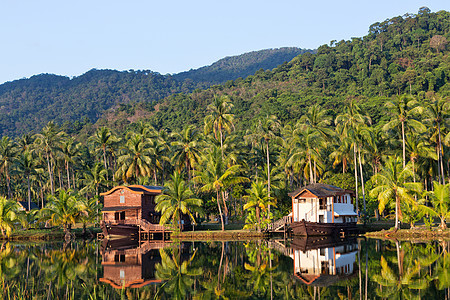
(26, 105)
(402, 55)
(232, 67)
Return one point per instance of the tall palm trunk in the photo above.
(356, 179)
(258, 218)
(397, 210)
(404, 145)
(50, 174)
(220, 209)
(268, 175)
(311, 179)
(29, 192)
(225, 207)
(440, 153)
(106, 165)
(68, 174)
(362, 181)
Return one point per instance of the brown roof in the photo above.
(137, 189)
(321, 190)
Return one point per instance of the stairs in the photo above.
(279, 225)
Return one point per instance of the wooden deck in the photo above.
(139, 228)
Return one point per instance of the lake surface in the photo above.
(296, 269)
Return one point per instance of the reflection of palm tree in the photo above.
(411, 273)
(10, 262)
(179, 275)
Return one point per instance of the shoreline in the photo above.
(219, 235)
(410, 234)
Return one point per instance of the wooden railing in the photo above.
(144, 224)
(278, 224)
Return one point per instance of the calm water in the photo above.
(300, 269)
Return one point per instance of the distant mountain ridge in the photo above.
(26, 105)
(232, 67)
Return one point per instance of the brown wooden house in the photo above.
(130, 211)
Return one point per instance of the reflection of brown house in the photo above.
(133, 267)
(128, 210)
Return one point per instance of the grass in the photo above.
(47, 234)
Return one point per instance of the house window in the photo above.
(122, 274)
(122, 199)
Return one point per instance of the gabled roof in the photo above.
(137, 189)
(320, 190)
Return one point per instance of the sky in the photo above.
(68, 37)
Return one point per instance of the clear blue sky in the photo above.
(68, 37)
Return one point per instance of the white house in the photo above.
(323, 203)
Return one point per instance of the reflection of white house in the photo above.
(324, 265)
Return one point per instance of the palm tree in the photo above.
(216, 176)
(393, 185)
(9, 210)
(103, 139)
(186, 149)
(220, 118)
(48, 141)
(63, 210)
(7, 156)
(346, 125)
(177, 199)
(306, 145)
(438, 112)
(259, 199)
(440, 198)
(416, 148)
(403, 109)
(69, 151)
(27, 164)
(135, 160)
(265, 130)
(93, 179)
(90, 211)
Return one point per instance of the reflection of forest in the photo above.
(220, 270)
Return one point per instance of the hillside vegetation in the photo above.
(405, 54)
(28, 104)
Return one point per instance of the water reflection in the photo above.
(126, 264)
(297, 269)
(323, 261)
